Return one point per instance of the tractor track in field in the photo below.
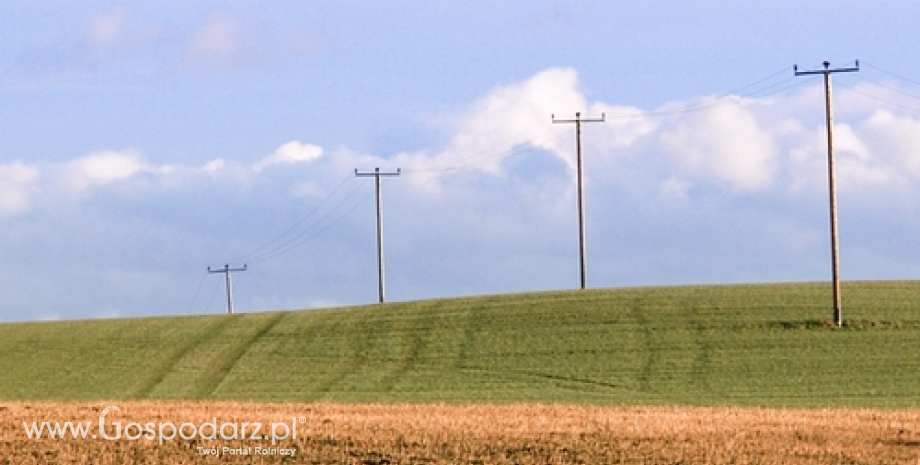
(217, 373)
(164, 369)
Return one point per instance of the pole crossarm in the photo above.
(827, 69)
(579, 119)
(582, 246)
(831, 178)
(377, 174)
(226, 270)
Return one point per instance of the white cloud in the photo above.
(16, 183)
(624, 126)
(674, 190)
(308, 190)
(116, 33)
(508, 117)
(227, 42)
(222, 43)
(104, 167)
(858, 165)
(106, 28)
(215, 165)
(897, 139)
(725, 143)
(290, 153)
(683, 197)
(874, 153)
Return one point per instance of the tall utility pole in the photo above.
(582, 247)
(226, 270)
(376, 174)
(831, 184)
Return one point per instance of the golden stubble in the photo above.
(481, 434)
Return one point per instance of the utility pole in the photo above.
(226, 270)
(376, 174)
(831, 183)
(582, 247)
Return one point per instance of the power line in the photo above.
(527, 145)
(890, 103)
(259, 251)
(207, 307)
(376, 174)
(276, 246)
(582, 247)
(831, 184)
(290, 238)
(777, 73)
(226, 270)
(891, 88)
(304, 236)
(892, 74)
(722, 99)
(465, 162)
(195, 297)
(874, 91)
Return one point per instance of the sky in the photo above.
(143, 142)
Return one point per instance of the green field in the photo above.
(767, 345)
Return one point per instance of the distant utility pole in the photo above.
(376, 174)
(829, 112)
(582, 247)
(226, 270)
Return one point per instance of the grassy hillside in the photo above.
(744, 345)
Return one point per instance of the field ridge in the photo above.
(745, 345)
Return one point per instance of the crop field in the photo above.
(741, 345)
(742, 374)
(476, 434)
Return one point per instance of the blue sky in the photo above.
(145, 141)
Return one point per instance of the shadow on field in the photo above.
(848, 325)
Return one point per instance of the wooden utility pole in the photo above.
(582, 246)
(226, 270)
(376, 174)
(831, 182)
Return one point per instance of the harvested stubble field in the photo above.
(483, 434)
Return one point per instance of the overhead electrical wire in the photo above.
(868, 95)
(304, 235)
(288, 240)
(256, 253)
(528, 145)
(889, 73)
(464, 162)
(197, 291)
(523, 147)
(207, 308)
(867, 91)
(887, 87)
(722, 99)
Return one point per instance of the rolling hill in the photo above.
(768, 345)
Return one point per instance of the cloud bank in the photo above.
(716, 189)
